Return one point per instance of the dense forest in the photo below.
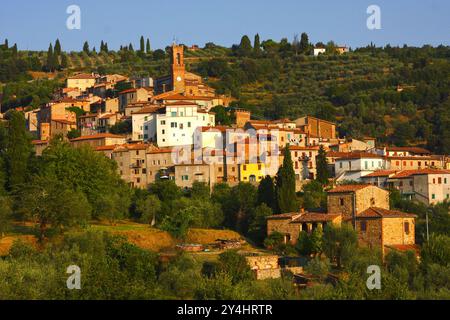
(399, 95)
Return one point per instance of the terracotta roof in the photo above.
(359, 155)
(337, 154)
(181, 103)
(36, 142)
(128, 91)
(145, 110)
(162, 150)
(82, 76)
(405, 247)
(381, 173)
(178, 96)
(374, 212)
(215, 129)
(408, 173)
(408, 149)
(316, 217)
(294, 148)
(98, 136)
(284, 216)
(106, 148)
(422, 158)
(64, 121)
(349, 188)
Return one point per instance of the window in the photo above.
(173, 125)
(433, 196)
(445, 180)
(341, 201)
(146, 118)
(220, 169)
(407, 227)
(137, 152)
(439, 180)
(173, 113)
(366, 165)
(189, 124)
(372, 202)
(363, 226)
(340, 165)
(181, 126)
(144, 171)
(163, 122)
(163, 131)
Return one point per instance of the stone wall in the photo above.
(394, 231)
(335, 206)
(371, 197)
(372, 236)
(285, 227)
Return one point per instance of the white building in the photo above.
(144, 123)
(318, 51)
(177, 122)
(356, 165)
(429, 186)
(173, 124)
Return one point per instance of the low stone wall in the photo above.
(263, 274)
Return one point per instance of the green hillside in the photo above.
(274, 80)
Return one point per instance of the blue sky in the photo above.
(34, 24)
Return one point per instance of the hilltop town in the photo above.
(181, 158)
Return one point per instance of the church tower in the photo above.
(178, 68)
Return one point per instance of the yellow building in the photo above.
(81, 81)
(252, 172)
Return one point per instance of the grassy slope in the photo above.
(140, 234)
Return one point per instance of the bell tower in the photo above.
(178, 68)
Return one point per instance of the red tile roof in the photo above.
(98, 136)
(149, 109)
(381, 173)
(82, 76)
(408, 173)
(374, 212)
(349, 188)
(408, 149)
(359, 155)
(128, 91)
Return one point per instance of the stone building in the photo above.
(351, 200)
(179, 80)
(365, 207)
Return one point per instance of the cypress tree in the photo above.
(266, 192)
(14, 50)
(86, 47)
(6, 44)
(57, 47)
(130, 47)
(285, 185)
(148, 49)
(304, 43)
(106, 47)
(18, 150)
(322, 167)
(64, 61)
(102, 46)
(245, 47)
(142, 44)
(50, 60)
(257, 45)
